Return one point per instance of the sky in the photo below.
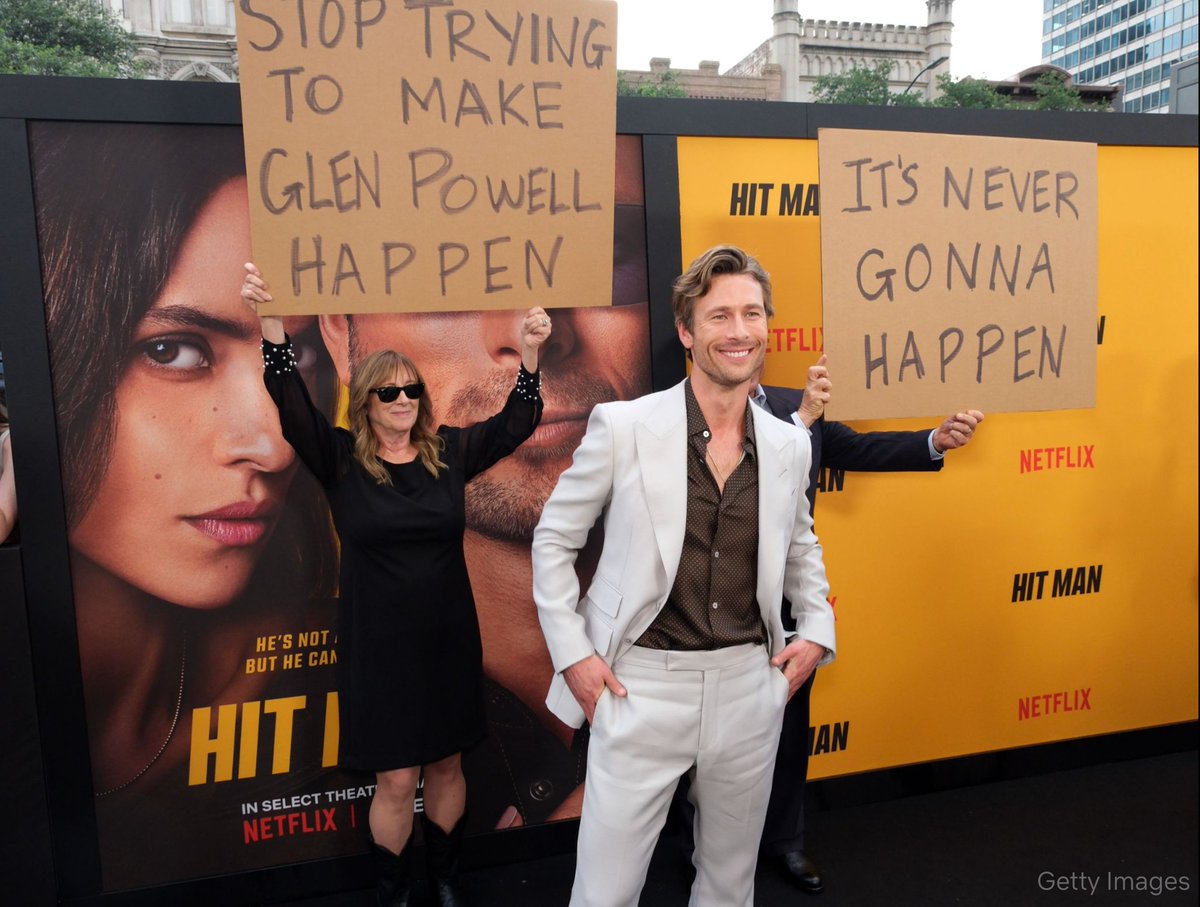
(991, 39)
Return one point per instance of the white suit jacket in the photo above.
(632, 467)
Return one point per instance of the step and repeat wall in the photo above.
(1043, 585)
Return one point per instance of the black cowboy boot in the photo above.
(441, 859)
(393, 873)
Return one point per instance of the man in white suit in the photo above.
(676, 655)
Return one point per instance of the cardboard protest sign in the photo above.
(957, 272)
(430, 155)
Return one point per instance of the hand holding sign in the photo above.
(816, 392)
(957, 430)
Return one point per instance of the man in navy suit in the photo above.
(839, 447)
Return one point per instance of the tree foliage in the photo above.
(65, 38)
(862, 85)
(1053, 93)
(970, 93)
(870, 85)
(658, 85)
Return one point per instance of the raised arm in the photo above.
(254, 291)
(484, 443)
(535, 330)
(304, 426)
(879, 451)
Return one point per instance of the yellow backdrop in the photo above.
(1043, 586)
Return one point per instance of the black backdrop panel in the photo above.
(25, 838)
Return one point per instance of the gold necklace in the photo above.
(170, 733)
(712, 461)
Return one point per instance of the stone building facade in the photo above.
(784, 67)
(196, 40)
(183, 40)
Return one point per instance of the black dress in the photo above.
(410, 662)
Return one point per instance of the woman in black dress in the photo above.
(409, 660)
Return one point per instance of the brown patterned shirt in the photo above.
(713, 604)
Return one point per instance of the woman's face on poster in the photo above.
(199, 468)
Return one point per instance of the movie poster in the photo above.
(999, 602)
(203, 560)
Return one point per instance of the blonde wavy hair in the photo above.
(697, 280)
(376, 371)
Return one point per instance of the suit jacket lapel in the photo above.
(783, 409)
(661, 441)
(776, 502)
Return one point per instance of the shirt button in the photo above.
(541, 789)
(715, 606)
(706, 434)
(716, 554)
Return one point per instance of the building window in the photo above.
(199, 12)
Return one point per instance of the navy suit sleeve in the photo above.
(876, 451)
(838, 446)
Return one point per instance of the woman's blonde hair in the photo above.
(376, 371)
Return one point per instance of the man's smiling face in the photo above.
(728, 338)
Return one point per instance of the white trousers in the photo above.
(717, 712)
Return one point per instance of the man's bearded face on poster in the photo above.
(469, 359)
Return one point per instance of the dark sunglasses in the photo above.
(391, 393)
